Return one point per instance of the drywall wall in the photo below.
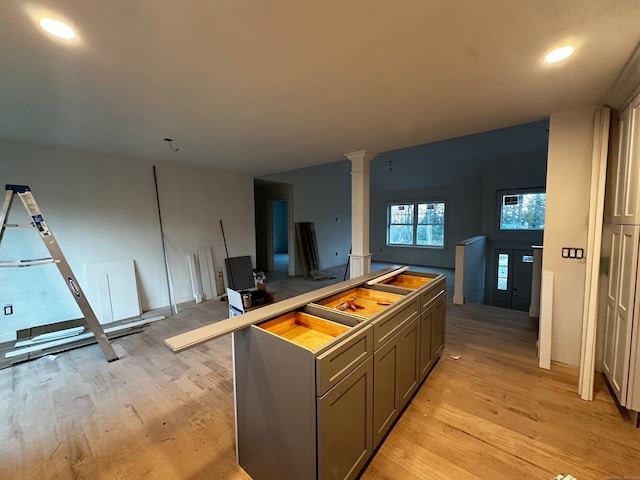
(566, 222)
(466, 172)
(102, 208)
(322, 195)
(462, 220)
(193, 202)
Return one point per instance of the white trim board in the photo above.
(82, 336)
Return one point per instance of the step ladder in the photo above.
(57, 257)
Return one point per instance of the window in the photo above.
(503, 271)
(416, 224)
(522, 211)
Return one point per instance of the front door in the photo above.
(512, 286)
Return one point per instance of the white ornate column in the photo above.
(360, 258)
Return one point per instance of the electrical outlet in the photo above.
(8, 309)
(220, 273)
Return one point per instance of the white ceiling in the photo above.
(262, 86)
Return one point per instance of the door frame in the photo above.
(290, 231)
(513, 254)
(601, 126)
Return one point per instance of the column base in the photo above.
(359, 265)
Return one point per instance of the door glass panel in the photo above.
(503, 270)
(527, 259)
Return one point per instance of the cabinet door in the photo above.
(631, 212)
(395, 378)
(426, 359)
(623, 188)
(619, 310)
(617, 168)
(386, 394)
(438, 326)
(345, 419)
(408, 368)
(612, 239)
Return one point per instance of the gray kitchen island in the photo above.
(320, 379)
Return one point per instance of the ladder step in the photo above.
(19, 225)
(27, 263)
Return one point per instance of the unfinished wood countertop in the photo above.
(201, 335)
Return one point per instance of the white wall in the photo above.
(102, 208)
(193, 202)
(566, 222)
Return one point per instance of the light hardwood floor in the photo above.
(491, 414)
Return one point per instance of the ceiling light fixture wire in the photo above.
(169, 140)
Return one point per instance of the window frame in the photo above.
(416, 223)
(500, 194)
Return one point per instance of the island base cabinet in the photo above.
(275, 406)
(317, 389)
(345, 440)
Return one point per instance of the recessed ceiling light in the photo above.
(559, 54)
(57, 28)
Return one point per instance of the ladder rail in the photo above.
(28, 201)
(8, 198)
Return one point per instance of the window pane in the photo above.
(401, 214)
(430, 235)
(401, 234)
(502, 283)
(524, 211)
(431, 213)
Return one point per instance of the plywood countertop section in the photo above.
(305, 330)
(200, 335)
(373, 301)
(412, 282)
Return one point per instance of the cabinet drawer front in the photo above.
(427, 297)
(336, 363)
(386, 327)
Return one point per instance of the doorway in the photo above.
(512, 280)
(280, 235)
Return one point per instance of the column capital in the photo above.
(360, 158)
